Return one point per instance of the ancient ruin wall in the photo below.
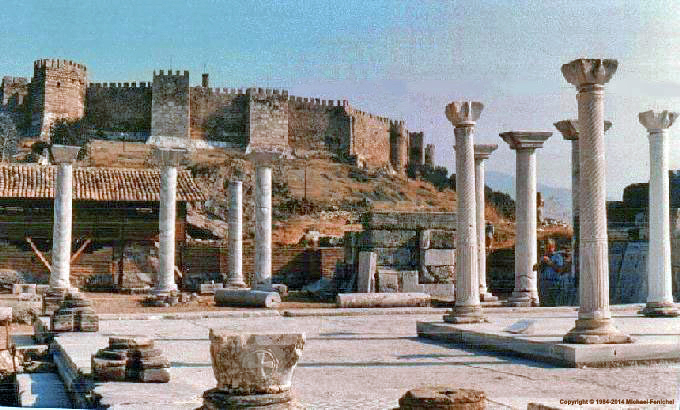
(370, 138)
(268, 119)
(220, 115)
(119, 107)
(58, 88)
(416, 150)
(13, 92)
(315, 124)
(170, 108)
(429, 155)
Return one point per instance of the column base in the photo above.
(218, 399)
(521, 299)
(235, 285)
(164, 292)
(661, 309)
(596, 331)
(487, 297)
(465, 314)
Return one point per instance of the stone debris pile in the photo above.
(131, 359)
(442, 398)
(75, 314)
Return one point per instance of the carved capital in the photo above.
(483, 151)
(525, 139)
(657, 120)
(569, 128)
(589, 71)
(169, 157)
(464, 113)
(64, 154)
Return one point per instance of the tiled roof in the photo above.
(96, 184)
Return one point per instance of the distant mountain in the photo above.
(557, 200)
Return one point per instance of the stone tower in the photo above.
(170, 110)
(57, 92)
(399, 146)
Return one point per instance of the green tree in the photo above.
(69, 132)
(8, 137)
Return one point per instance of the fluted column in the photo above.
(263, 228)
(63, 156)
(482, 153)
(594, 323)
(526, 243)
(235, 279)
(569, 130)
(659, 274)
(169, 160)
(467, 309)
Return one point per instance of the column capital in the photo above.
(169, 157)
(263, 158)
(657, 121)
(483, 151)
(569, 128)
(64, 154)
(519, 140)
(589, 71)
(464, 113)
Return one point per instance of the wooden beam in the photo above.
(80, 250)
(39, 254)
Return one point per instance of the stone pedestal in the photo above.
(130, 359)
(463, 116)
(442, 398)
(660, 276)
(63, 156)
(252, 369)
(169, 160)
(482, 153)
(594, 324)
(526, 278)
(569, 131)
(235, 278)
(263, 228)
(74, 315)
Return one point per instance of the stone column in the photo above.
(64, 156)
(169, 160)
(526, 244)
(569, 131)
(659, 273)
(263, 228)
(594, 324)
(482, 153)
(463, 115)
(235, 279)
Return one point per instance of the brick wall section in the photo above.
(371, 138)
(318, 125)
(268, 120)
(170, 105)
(329, 258)
(120, 154)
(119, 107)
(219, 115)
(58, 88)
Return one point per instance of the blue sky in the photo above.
(404, 60)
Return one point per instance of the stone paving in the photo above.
(368, 362)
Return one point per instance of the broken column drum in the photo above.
(235, 279)
(463, 115)
(594, 323)
(526, 278)
(263, 228)
(660, 279)
(63, 156)
(569, 131)
(482, 153)
(169, 160)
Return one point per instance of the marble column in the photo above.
(263, 228)
(169, 160)
(235, 279)
(569, 131)
(594, 324)
(526, 243)
(482, 153)
(659, 273)
(467, 309)
(63, 156)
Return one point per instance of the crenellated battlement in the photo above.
(162, 73)
(14, 81)
(57, 63)
(367, 115)
(267, 92)
(305, 102)
(133, 85)
(226, 91)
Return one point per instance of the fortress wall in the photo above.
(219, 115)
(268, 119)
(13, 91)
(370, 138)
(170, 105)
(315, 124)
(119, 107)
(416, 152)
